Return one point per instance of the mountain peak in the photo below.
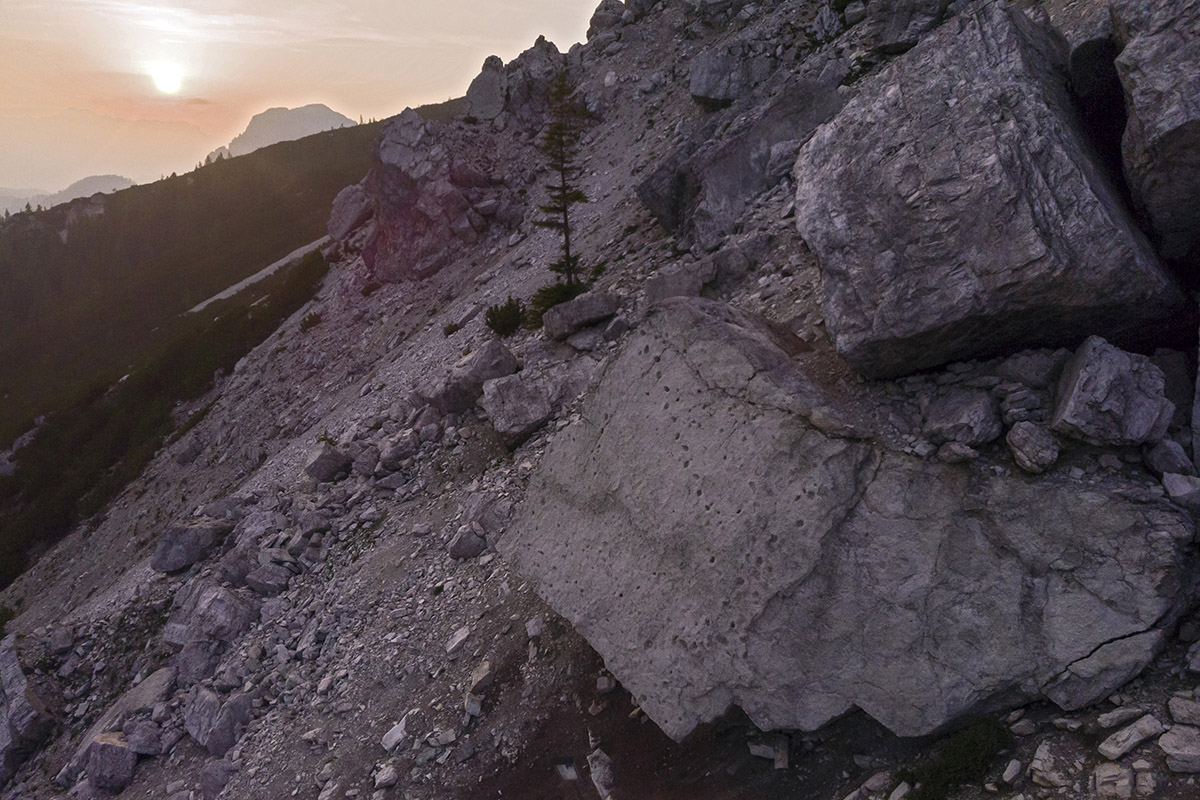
(281, 124)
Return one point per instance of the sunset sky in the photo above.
(85, 85)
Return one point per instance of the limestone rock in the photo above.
(1159, 69)
(606, 17)
(946, 251)
(727, 72)
(111, 763)
(516, 407)
(404, 445)
(1183, 711)
(184, 545)
(966, 416)
(351, 209)
(825, 543)
(1109, 397)
(1130, 737)
(1047, 769)
(896, 26)
(1181, 746)
(1033, 447)
(463, 386)
(25, 722)
(215, 725)
(1168, 457)
(1183, 490)
(467, 544)
(1113, 782)
(487, 94)
(587, 309)
(214, 777)
(328, 464)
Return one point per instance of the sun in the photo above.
(167, 77)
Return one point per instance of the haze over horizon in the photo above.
(138, 89)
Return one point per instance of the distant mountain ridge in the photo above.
(282, 125)
(15, 200)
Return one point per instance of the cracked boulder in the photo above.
(958, 212)
(755, 552)
(184, 545)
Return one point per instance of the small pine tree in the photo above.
(560, 143)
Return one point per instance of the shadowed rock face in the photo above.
(958, 212)
(740, 556)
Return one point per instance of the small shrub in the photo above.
(505, 318)
(370, 287)
(549, 296)
(963, 757)
(471, 119)
(450, 328)
(311, 320)
(598, 270)
(6, 616)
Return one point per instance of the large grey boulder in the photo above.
(351, 208)
(516, 407)
(327, 464)
(566, 318)
(1159, 69)
(1109, 397)
(488, 92)
(111, 762)
(459, 390)
(742, 557)
(957, 212)
(215, 725)
(205, 619)
(184, 545)
(25, 722)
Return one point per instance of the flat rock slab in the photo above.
(184, 545)
(741, 557)
(957, 211)
(1130, 737)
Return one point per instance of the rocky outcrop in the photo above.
(944, 235)
(489, 91)
(703, 187)
(518, 89)
(460, 389)
(351, 209)
(728, 72)
(205, 619)
(430, 185)
(1159, 69)
(184, 545)
(744, 557)
(896, 26)
(25, 722)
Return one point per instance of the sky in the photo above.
(142, 89)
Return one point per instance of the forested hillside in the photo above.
(86, 286)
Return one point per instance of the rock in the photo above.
(351, 208)
(516, 407)
(140, 698)
(110, 762)
(966, 416)
(457, 640)
(1159, 69)
(146, 738)
(214, 777)
(328, 464)
(1183, 711)
(61, 641)
(183, 545)
(1109, 397)
(1033, 447)
(1168, 457)
(1120, 716)
(214, 725)
(855, 13)
(395, 735)
(921, 558)
(269, 580)
(488, 92)
(403, 446)
(463, 386)
(387, 777)
(1181, 746)
(1184, 490)
(1046, 769)
(946, 251)
(702, 188)
(727, 72)
(25, 722)
(956, 453)
(481, 679)
(1130, 737)
(896, 26)
(600, 767)
(606, 17)
(684, 280)
(1012, 771)
(587, 309)
(1113, 782)
(466, 544)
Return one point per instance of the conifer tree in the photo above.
(560, 143)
